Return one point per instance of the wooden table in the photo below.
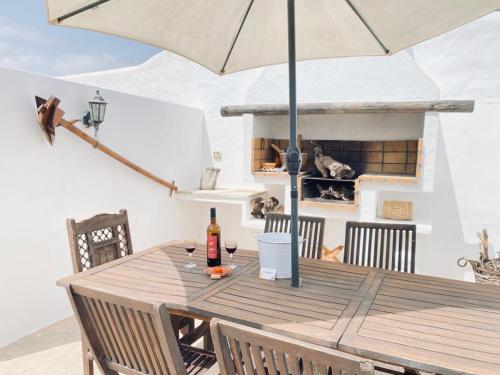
(416, 321)
(428, 323)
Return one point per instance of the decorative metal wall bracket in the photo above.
(50, 116)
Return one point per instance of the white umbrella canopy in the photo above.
(232, 35)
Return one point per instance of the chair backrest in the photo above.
(98, 240)
(127, 336)
(310, 228)
(243, 350)
(381, 245)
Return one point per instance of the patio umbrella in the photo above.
(231, 35)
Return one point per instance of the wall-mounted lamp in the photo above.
(95, 116)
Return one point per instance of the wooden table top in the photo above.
(433, 324)
(421, 322)
(318, 312)
(156, 275)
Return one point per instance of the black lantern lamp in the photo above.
(95, 116)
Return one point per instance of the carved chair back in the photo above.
(243, 350)
(310, 228)
(125, 335)
(381, 245)
(98, 240)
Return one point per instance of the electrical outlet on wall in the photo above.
(217, 154)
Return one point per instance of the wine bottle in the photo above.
(214, 254)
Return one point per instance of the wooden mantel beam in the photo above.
(350, 108)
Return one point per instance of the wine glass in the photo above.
(231, 246)
(190, 246)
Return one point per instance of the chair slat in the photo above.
(236, 352)
(383, 238)
(307, 366)
(293, 364)
(388, 246)
(364, 249)
(393, 249)
(369, 250)
(375, 248)
(281, 363)
(247, 358)
(413, 250)
(359, 234)
(144, 342)
(124, 328)
(388, 249)
(134, 335)
(153, 344)
(400, 251)
(121, 336)
(111, 327)
(89, 316)
(102, 329)
(270, 361)
(321, 369)
(258, 360)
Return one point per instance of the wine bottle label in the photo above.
(212, 247)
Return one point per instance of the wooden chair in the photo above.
(243, 350)
(131, 337)
(98, 240)
(310, 228)
(381, 245)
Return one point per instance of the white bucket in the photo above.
(275, 251)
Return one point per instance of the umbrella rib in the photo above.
(81, 10)
(236, 37)
(355, 10)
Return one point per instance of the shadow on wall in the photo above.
(437, 254)
(206, 152)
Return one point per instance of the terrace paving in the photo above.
(53, 350)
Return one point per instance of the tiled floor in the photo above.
(54, 350)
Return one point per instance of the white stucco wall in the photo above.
(464, 64)
(42, 185)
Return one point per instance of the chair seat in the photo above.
(198, 361)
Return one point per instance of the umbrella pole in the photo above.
(293, 153)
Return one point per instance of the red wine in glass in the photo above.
(231, 246)
(190, 247)
(231, 250)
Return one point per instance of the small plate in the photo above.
(220, 270)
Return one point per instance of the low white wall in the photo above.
(42, 185)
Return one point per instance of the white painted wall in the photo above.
(464, 64)
(42, 185)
